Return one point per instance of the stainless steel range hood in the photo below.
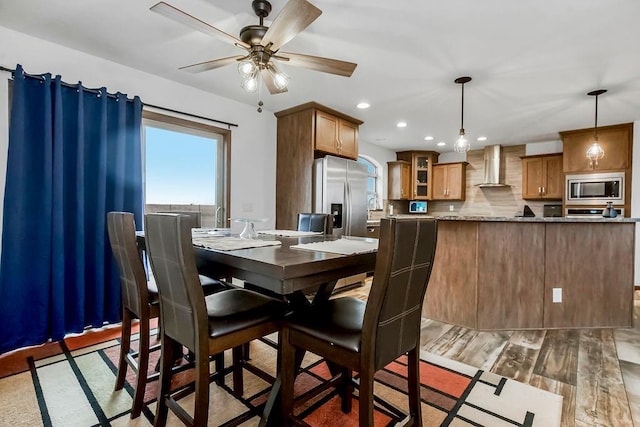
(493, 171)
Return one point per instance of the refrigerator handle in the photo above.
(347, 199)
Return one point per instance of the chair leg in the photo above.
(219, 359)
(238, 380)
(201, 410)
(288, 375)
(365, 400)
(413, 377)
(143, 367)
(125, 345)
(167, 345)
(346, 390)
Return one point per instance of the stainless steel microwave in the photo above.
(595, 188)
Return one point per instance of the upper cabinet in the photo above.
(336, 135)
(398, 180)
(542, 177)
(421, 175)
(304, 132)
(616, 141)
(449, 181)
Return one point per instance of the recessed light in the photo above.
(428, 138)
(482, 138)
(363, 105)
(402, 124)
(441, 144)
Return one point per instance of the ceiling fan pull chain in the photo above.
(260, 103)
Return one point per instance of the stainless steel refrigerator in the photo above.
(340, 188)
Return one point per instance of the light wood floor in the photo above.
(597, 371)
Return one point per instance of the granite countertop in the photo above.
(512, 219)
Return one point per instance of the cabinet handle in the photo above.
(543, 191)
(539, 191)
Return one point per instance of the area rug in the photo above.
(71, 384)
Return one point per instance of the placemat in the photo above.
(289, 233)
(341, 246)
(231, 243)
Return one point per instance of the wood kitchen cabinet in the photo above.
(421, 175)
(616, 141)
(303, 133)
(542, 177)
(335, 135)
(399, 180)
(449, 181)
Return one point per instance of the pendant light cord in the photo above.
(595, 132)
(462, 111)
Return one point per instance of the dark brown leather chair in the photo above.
(139, 301)
(366, 336)
(206, 326)
(319, 222)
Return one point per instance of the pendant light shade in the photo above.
(462, 143)
(595, 151)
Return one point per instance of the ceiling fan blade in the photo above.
(294, 17)
(211, 65)
(178, 15)
(268, 81)
(325, 65)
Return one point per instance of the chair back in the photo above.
(318, 222)
(183, 311)
(133, 279)
(195, 217)
(392, 316)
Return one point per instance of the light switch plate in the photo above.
(557, 295)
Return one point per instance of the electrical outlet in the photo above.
(557, 295)
(451, 208)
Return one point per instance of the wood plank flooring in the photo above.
(597, 371)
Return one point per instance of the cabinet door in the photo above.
(615, 141)
(348, 139)
(398, 180)
(326, 132)
(553, 182)
(532, 178)
(456, 181)
(439, 183)
(421, 168)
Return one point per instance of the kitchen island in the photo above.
(533, 273)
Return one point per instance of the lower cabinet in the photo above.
(532, 275)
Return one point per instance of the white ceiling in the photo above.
(532, 61)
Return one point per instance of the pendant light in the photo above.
(595, 151)
(462, 144)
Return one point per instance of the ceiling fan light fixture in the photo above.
(462, 144)
(246, 69)
(280, 78)
(595, 151)
(250, 83)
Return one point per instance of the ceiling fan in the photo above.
(262, 44)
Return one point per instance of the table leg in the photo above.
(298, 301)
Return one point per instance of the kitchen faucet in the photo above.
(218, 209)
(375, 202)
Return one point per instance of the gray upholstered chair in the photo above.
(366, 336)
(139, 301)
(319, 222)
(206, 326)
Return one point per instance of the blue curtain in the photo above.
(74, 155)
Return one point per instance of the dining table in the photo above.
(289, 268)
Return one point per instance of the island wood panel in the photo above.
(294, 168)
(451, 293)
(510, 276)
(593, 264)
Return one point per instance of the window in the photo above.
(186, 168)
(374, 182)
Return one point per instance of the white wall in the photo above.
(543, 148)
(253, 142)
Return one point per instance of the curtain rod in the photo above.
(12, 71)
